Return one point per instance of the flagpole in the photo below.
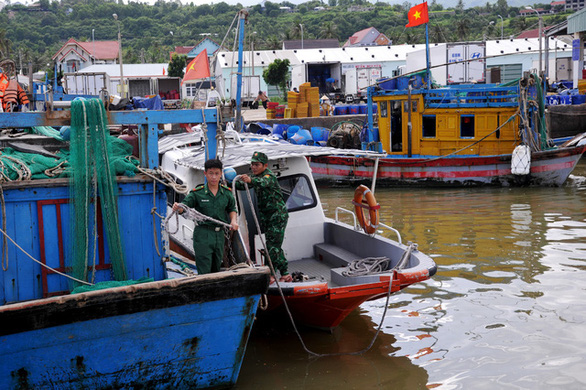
(427, 61)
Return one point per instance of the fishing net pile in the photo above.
(93, 175)
(18, 165)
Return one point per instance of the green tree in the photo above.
(5, 45)
(329, 30)
(277, 74)
(176, 66)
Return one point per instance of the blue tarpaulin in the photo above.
(154, 103)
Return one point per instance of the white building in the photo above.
(513, 56)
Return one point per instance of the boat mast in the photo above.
(242, 17)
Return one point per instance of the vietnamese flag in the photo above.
(198, 68)
(418, 15)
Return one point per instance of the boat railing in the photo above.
(464, 96)
(380, 224)
(399, 239)
(341, 209)
(473, 97)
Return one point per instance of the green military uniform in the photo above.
(273, 212)
(208, 237)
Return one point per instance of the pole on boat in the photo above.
(242, 15)
(369, 112)
(427, 62)
(409, 123)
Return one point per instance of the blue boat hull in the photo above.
(183, 333)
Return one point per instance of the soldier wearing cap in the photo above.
(215, 201)
(273, 212)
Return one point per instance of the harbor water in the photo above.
(506, 309)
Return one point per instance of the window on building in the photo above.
(428, 126)
(467, 126)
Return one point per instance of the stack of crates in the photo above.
(308, 103)
(292, 101)
(313, 101)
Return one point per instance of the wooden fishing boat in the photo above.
(460, 135)
(187, 332)
(320, 250)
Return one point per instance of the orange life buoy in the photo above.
(369, 225)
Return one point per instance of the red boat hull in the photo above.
(326, 307)
(548, 168)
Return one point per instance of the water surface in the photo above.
(507, 308)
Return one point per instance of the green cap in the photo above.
(259, 157)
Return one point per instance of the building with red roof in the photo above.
(74, 56)
(368, 37)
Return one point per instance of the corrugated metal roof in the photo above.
(577, 22)
(130, 70)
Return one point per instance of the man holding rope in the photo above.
(216, 201)
(272, 210)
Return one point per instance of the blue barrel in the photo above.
(292, 130)
(553, 100)
(374, 108)
(341, 110)
(353, 109)
(403, 82)
(418, 82)
(578, 99)
(301, 137)
(362, 109)
(565, 99)
(320, 133)
(279, 129)
(388, 84)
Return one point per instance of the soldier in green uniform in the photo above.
(273, 212)
(215, 201)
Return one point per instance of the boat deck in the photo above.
(313, 268)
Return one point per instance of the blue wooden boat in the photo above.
(188, 332)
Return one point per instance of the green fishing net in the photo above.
(92, 174)
(110, 284)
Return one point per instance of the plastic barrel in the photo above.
(553, 100)
(320, 133)
(279, 129)
(362, 109)
(353, 110)
(565, 99)
(301, 137)
(388, 85)
(341, 110)
(292, 130)
(403, 82)
(578, 99)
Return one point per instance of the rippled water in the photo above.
(507, 308)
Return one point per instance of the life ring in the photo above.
(369, 225)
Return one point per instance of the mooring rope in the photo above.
(43, 264)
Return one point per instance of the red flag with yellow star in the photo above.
(198, 68)
(418, 15)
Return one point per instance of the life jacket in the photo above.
(14, 95)
(3, 84)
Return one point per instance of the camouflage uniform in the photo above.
(208, 237)
(273, 212)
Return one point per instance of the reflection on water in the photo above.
(507, 307)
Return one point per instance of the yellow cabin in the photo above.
(464, 123)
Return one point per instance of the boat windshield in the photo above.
(297, 192)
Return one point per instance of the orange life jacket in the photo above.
(3, 84)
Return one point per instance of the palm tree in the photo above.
(329, 30)
(5, 45)
(462, 29)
